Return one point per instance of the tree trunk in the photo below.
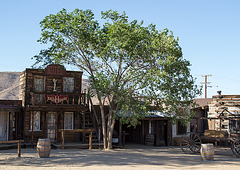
(103, 126)
(110, 134)
(110, 127)
(107, 131)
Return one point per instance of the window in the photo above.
(38, 98)
(181, 128)
(39, 84)
(36, 121)
(68, 120)
(68, 84)
(234, 125)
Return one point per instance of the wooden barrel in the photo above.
(43, 148)
(207, 151)
(149, 139)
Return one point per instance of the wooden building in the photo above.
(53, 99)
(11, 120)
(224, 113)
(199, 123)
(154, 129)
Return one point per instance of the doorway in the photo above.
(51, 126)
(160, 131)
(3, 126)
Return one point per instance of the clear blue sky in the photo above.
(208, 31)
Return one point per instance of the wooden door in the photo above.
(161, 133)
(3, 126)
(51, 125)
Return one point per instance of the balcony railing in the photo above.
(58, 99)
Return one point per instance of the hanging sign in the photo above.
(57, 98)
(55, 70)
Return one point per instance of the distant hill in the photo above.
(9, 85)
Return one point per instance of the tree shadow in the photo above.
(130, 156)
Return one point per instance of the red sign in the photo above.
(57, 98)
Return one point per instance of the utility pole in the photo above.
(206, 83)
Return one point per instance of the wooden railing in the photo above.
(15, 141)
(58, 99)
(90, 131)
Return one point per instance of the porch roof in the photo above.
(158, 114)
(8, 108)
(151, 114)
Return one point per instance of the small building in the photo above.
(53, 99)
(224, 113)
(154, 129)
(199, 123)
(11, 120)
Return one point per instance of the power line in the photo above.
(227, 78)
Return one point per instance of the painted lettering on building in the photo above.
(57, 98)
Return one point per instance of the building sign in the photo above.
(55, 70)
(57, 98)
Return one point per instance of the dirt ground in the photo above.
(131, 157)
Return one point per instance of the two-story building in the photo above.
(53, 99)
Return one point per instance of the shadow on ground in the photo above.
(130, 156)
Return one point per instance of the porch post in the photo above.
(19, 148)
(44, 124)
(143, 131)
(62, 138)
(83, 137)
(90, 140)
(56, 127)
(32, 126)
(150, 126)
(120, 133)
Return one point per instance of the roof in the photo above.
(152, 114)
(202, 102)
(157, 113)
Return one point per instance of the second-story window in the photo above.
(39, 84)
(68, 84)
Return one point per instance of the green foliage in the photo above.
(130, 65)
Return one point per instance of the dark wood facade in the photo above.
(150, 131)
(154, 130)
(11, 120)
(199, 123)
(53, 99)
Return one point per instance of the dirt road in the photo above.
(131, 157)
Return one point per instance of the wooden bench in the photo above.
(15, 141)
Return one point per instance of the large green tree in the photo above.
(129, 65)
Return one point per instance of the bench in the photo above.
(15, 141)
